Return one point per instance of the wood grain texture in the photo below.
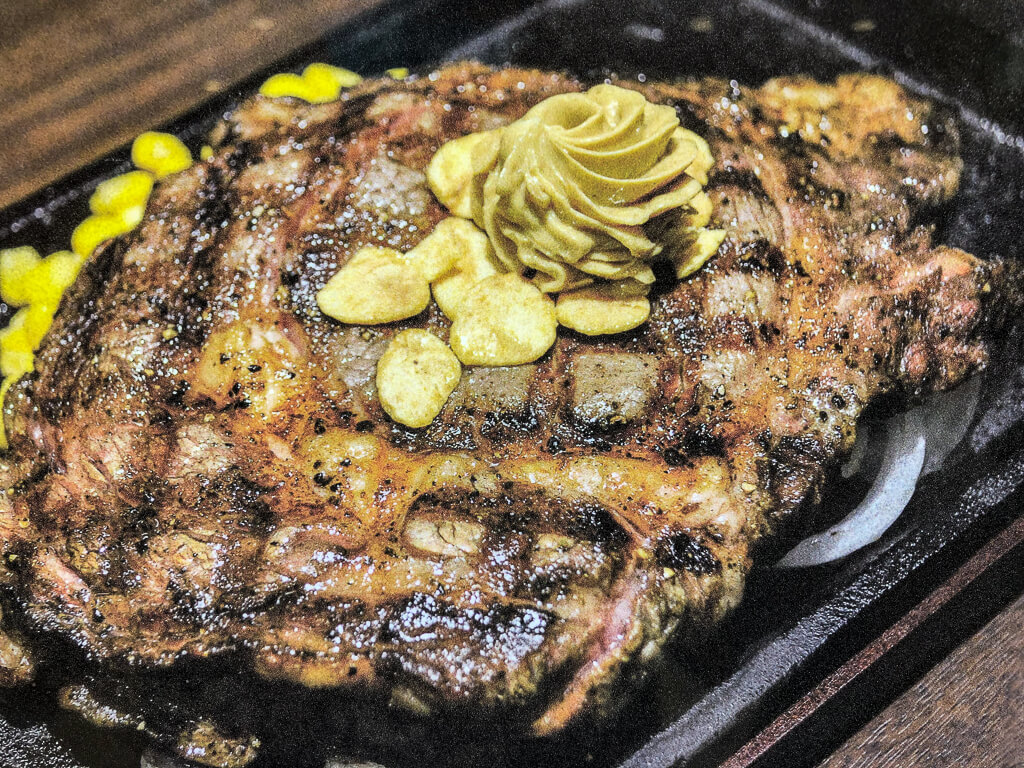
(80, 79)
(967, 711)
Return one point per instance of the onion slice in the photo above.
(865, 438)
(947, 416)
(902, 463)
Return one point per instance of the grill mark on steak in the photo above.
(237, 491)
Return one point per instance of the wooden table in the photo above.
(967, 711)
(80, 79)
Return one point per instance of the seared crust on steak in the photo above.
(200, 466)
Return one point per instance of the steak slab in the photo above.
(201, 473)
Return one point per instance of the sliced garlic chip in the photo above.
(600, 309)
(454, 257)
(415, 376)
(453, 170)
(437, 252)
(375, 286)
(704, 245)
(503, 320)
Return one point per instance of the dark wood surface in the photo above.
(968, 710)
(80, 79)
(83, 78)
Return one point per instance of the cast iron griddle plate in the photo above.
(794, 627)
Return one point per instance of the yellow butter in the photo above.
(456, 172)
(703, 246)
(568, 190)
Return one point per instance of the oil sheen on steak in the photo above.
(202, 478)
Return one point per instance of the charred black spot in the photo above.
(215, 208)
(365, 426)
(142, 520)
(683, 551)
(522, 509)
(791, 471)
(745, 180)
(177, 398)
(700, 440)
(762, 255)
(141, 523)
(592, 521)
(500, 425)
(674, 456)
(160, 419)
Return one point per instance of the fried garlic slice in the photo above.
(375, 286)
(454, 257)
(503, 320)
(415, 376)
(454, 170)
(599, 309)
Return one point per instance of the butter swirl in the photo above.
(568, 190)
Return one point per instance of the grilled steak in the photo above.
(202, 482)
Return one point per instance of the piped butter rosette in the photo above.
(570, 190)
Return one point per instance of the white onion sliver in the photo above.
(154, 759)
(865, 437)
(947, 417)
(889, 495)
